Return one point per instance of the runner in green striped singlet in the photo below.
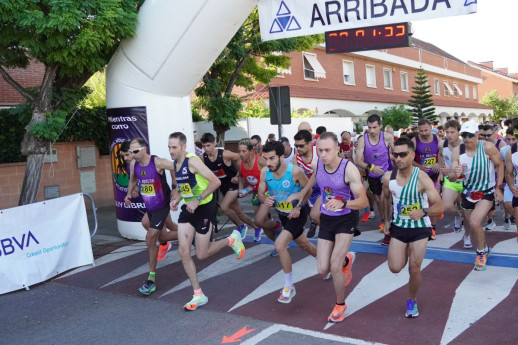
(477, 162)
(414, 200)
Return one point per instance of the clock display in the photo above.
(368, 38)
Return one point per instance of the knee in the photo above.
(323, 269)
(395, 269)
(184, 252)
(201, 256)
(414, 269)
(280, 248)
(315, 217)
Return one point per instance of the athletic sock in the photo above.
(288, 279)
(340, 303)
(198, 292)
(151, 276)
(230, 241)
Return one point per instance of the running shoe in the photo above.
(480, 262)
(386, 240)
(366, 216)
(312, 230)
(372, 215)
(381, 226)
(338, 313)
(347, 270)
(507, 224)
(513, 220)
(488, 252)
(326, 276)
(490, 226)
(242, 230)
(258, 234)
(148, 287)
(432, 237)
(162, 251)
(457, 224)
(411, 308)
(467, 242)
(441, 216)
(237, 245)
(287, 294)
(195, 302)
(274, 253)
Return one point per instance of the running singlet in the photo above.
(514, 159)
(347, 149)
(282, 188)
(427, 154)
(478, 170)
(446, 154)
(308, 169)
(153, 186)
(190, 185)
(219, 168)
(406, 199)
(253, 176)
(333, 186)
(378, 154)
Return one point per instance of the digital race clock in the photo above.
(368, 38)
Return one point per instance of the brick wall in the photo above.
(26, 77)
(63, 173)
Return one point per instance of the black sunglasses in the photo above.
(466, 135)
(137, 150)
(400, 154)
(300, 145)
(485, 135)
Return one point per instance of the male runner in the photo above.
(282, 180)
(414, 200)
(196, 184)
(373, 155)
(256, 143)
(511, 176)
(347, 145)
(342, 192)
(289, 151)
(477, 161)
(148, 170)
(222, 163)
(508, 194)
(426, 157)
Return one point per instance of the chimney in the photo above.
(488, 64)
(503, 70)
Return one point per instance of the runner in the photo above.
(256, 143)
(223, 164)
(342, 189)
(148, 171)
(373, 155)
(508, 194)
(289, 151)
(347, 145)
(196, 185)
(414, 200)
(477, 161)
(426, 157)
(511, 169)
(282, 180)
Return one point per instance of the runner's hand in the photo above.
(499, 196)
(416, 214)
(458, 170)
(435, 168)
(294, 196)
(269, 201)
(333, 204)
(377, 170)
(234, 179)
(127, 200)
(514, 190)
(386, 228)
(295, 213)
(192, 205)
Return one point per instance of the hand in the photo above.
(386, 228)
(269, 201)
(234, 179)
(333, 204)
(127, 200)
(425, 168)
(377, 170)
(458, 171)
(514, 190)
(436, 168)
(416, 214)
(192, 205)
(175, 201)
(295, 213)
(134, 193)
(445, 171)
(499, 196)
(294, 196)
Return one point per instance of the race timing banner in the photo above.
(291, 18)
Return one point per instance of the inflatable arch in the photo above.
(155, 72)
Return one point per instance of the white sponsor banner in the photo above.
(41, 240)
(291, 18)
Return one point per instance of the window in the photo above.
(456, 90)
(466, 91)
(281, 72)
(348, 72)
(447, 89)
(387, 78)
(475, 92)
(312, 68)
(371, 75)
(437, 86)
(404, 81)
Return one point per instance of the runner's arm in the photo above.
(387, 205)
(301, 179)
(455, 169)
(353, 178)
(197, 166)
(494, 155)
(132, 183)
(426, 186)
(261, 189)
(360, 159)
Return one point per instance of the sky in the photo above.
(488, 35)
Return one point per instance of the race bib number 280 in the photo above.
(147, 190)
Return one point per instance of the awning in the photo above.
(457, 88)
(320, 72)
(446, 85)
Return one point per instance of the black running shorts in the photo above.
(375, 184)
(410, 234)
(295, 225)
(330, 226)
(202, 218)
(157, 218)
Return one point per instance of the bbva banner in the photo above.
(41, 240)
(290, 18)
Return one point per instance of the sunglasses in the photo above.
(137, 150)
(299, 146)
(466, 135)
(400, 154)
(485, 135)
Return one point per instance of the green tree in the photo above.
(73, 39)
(421, 102)
(254, 108)
(397, 116)
(97, 95)
(245, 61)
(503, 108)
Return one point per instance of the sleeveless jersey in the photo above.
(478, 170)
(281, 188)
(190, 185)
(289, 159)
(407, 198)
(446, 154)
(514, 158)
(253, 176)
(378, 154)
(332, 185)
(427, 154)
(153, 186)
(219, 168)
(308, 169)
(347, 150)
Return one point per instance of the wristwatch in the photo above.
(425, 210)
(199, 198)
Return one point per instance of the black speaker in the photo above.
(280, 109)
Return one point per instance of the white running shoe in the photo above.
(507, 224)
(287, 294)
(457, 224)
(372, 215)
(490, 226)
(467, 242)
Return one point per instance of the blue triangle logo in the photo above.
(284, 20)
(283, 10)
(276, 27)
(294, 25)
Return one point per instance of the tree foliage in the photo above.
(245, 61)
(421, 102)
(397, 116)
(503, 108)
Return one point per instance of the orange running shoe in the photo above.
(162, 251)
(381, 227)
(441, 216)
(365, 217)
(347, 270)
(338, 313)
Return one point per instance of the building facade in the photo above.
(498, 79)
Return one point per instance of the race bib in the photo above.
(429, 161)
(186, 191)
(405, 210)
(220, 173)
(284, 206)
(147, 190)
(330, 198)
(476, 196)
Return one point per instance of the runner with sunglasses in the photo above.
(414, 200)
(477, 161)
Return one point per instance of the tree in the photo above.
(421, 102)
(73, 39)
(503, 108)
(245, 61)
(397, 117)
